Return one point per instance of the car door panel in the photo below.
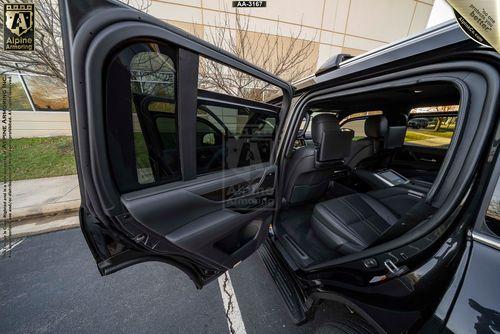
(413, 160)
(202, 224)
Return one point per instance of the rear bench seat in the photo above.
(352, 223)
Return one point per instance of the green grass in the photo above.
(440, 133)
(40, 157)
(413, 135)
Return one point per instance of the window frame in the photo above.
(186, 69)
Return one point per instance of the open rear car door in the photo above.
(171, 168)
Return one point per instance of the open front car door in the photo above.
(176, 162)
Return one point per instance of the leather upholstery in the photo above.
(351, 223)
(322, 123)
(380, 136)
(335, 145)
(376, 126)
(394, 137)
(304, 181)
(311, 167)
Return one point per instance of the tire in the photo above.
(345, 326)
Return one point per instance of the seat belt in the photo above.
(412, 218)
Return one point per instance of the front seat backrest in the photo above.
(310, 168)
(333, 143)
(375, 130)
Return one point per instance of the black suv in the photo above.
(418, 123)
(324, 179)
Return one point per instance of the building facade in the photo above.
(331, 27)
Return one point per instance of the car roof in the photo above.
(429, 43)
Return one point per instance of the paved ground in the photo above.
(51, 284)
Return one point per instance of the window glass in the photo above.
(235, 127)
(48, 94)
(219, 78)
(19, 100)
(233, 136)
(152, 83)
(141, 116)
(425, 129)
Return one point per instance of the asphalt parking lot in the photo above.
(50, 284)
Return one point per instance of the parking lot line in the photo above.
(7, 249)
(233, 314)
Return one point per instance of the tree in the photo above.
(47, 58)
(445, 120)
(286, 57)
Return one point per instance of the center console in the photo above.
(387, 178)
(390, 177)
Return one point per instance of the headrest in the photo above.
(323, 123)
(376, 126)
(395, 137)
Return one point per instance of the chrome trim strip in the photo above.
(389, 183)
(486, 240)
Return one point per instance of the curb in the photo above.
(46, 224)
(50, 209)
(50, 217)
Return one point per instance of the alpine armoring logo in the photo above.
(19, 27)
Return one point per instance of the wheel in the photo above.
(417, 126)
(345, 326)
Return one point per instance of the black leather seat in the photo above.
(354, 222)
(310, 168)
(381, 139)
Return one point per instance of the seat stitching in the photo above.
(352, 232)
(346, 227)
(363, 219)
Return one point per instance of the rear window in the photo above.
(431, 127)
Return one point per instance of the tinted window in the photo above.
(233, 136)
(141, 115)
